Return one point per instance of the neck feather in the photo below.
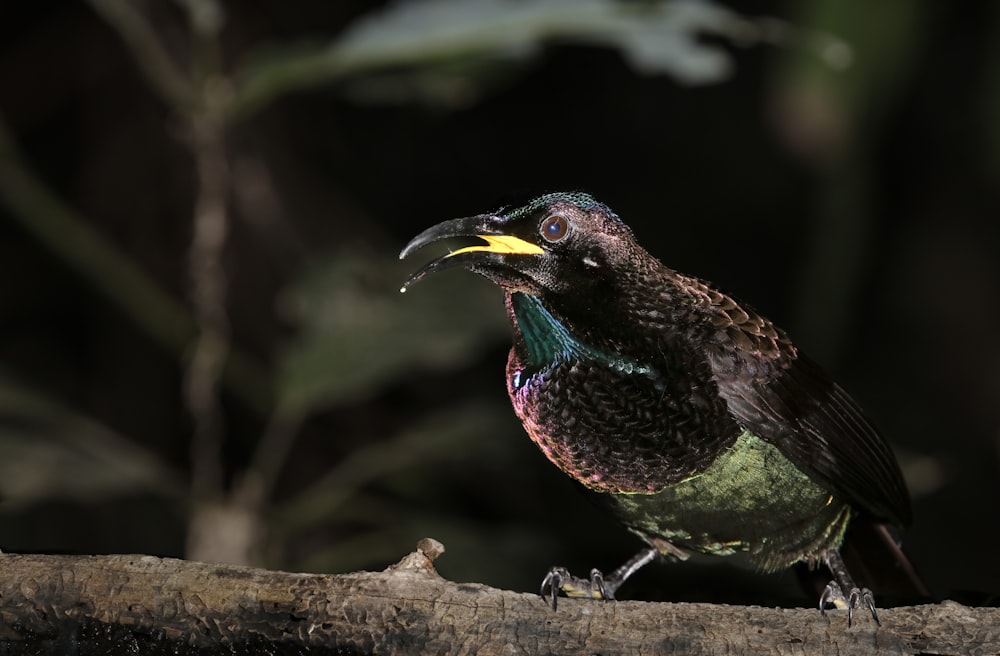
(547, 341)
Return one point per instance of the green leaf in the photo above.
(425, 37)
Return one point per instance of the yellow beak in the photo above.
(501, 244)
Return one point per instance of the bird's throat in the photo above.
(564, 390)
(547, 341)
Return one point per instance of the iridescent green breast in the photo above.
(751, 498)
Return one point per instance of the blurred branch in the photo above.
(210, 230)
(208, 295)
(153, 60)
(70, 237)
(130, 604)
(222, 528)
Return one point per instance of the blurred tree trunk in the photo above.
(142, 604)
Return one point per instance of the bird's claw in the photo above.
(559, 580)
(598, 586)
(552, 583)
(857, 598)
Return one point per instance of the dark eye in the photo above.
(554, 227)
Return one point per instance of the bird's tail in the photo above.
(875, 559)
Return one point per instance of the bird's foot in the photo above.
(598, 586)
(857, 598)
(559, 580)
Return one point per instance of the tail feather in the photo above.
(875, 559)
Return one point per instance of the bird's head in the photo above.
(556, 245)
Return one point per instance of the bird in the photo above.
(687, 414)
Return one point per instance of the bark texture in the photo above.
(142, 604)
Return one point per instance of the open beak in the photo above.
(482, 226)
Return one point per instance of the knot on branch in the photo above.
(422, 560)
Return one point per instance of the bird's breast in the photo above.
(615, 422)
(612, 429)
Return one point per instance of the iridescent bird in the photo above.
(687, 414)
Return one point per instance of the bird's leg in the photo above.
(598, 586)
(835, 590)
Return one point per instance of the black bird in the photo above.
(694, 419)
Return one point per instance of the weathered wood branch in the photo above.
(142, 604)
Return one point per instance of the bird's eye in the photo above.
(554, 227)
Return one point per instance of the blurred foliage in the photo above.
(49, 452)
(346, 494)
(376, 418)
(452, 46)
(357, 334)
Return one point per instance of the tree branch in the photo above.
(160, 70)
(154, 605)
(69, 236)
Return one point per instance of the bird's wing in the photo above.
(786, 399)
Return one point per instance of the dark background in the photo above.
(857, 209)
